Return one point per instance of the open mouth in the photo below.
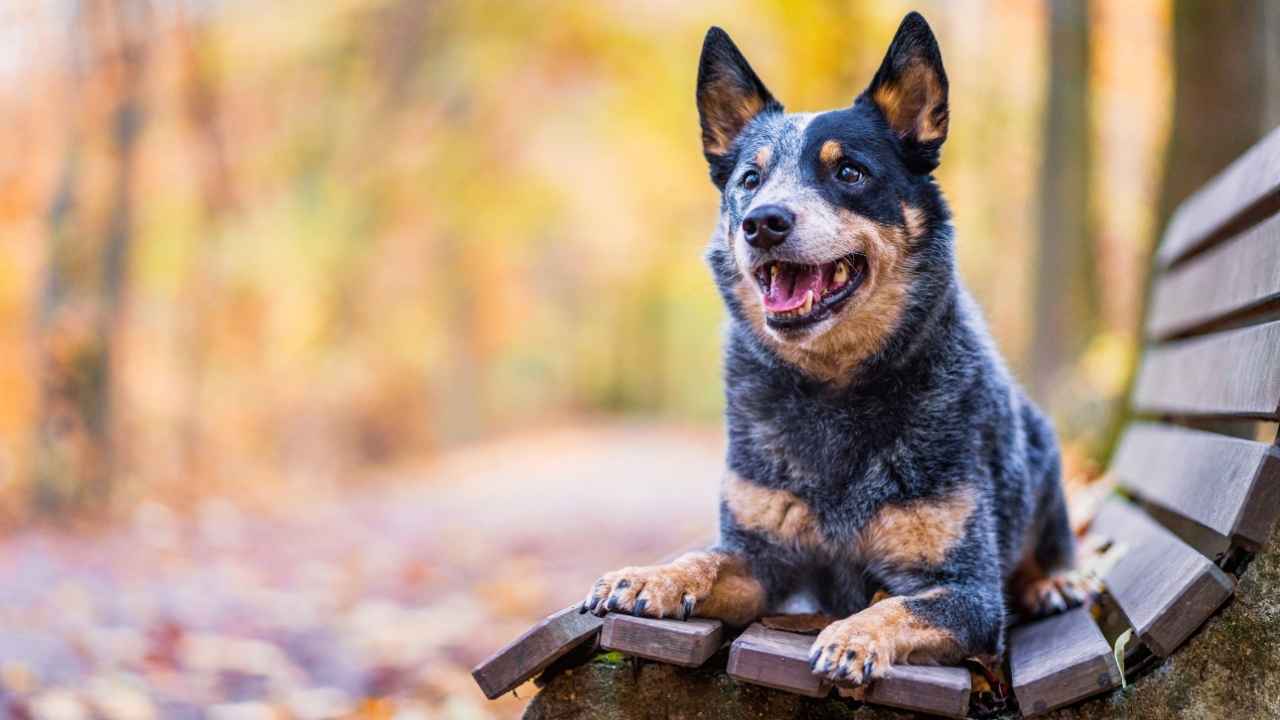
(797, 295)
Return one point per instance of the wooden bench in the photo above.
(1192, 501)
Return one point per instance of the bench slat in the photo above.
(1240, 275)
(780, 660)
(775, 659)
(1235, 373)
(1165, 588)
(924, 688)
(680, 642)
(531, 653)
(1229, 486)
(1059, 660)
(1247, 187)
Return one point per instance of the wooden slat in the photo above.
(780, 660)
(1229, 486)
(1163, 586)
(680, 642)
(1231, 279)
(775, 659)
(1234, 373)
(1059, 660)
(923, 688)
(532, 652)
(1248, 187)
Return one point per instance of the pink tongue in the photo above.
(792, 284)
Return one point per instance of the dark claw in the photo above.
(595, 600)
(688, 607)
(813, 659)
(613, 602)
(623, 584)
(867, 667)
(641, 604)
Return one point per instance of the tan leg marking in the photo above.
(861, 647)
(776, 514)
(917, 533)
(704, 584)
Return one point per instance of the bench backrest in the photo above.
(1213, 354)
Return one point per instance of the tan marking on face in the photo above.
(776, 514)
(720, 585)
(830, 153)
(912, 105)
(917, 533)
(728, 110)
(888, 633)
(763, 155)
(866, 321)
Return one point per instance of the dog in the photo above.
(877, 445)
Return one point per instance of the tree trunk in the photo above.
(90, 239)
(1066, 281)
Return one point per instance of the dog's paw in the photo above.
(1057, 593)
(855, 650)
(658, 591)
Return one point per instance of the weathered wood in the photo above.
(1162, 585)
(1247, 189)
(1234, 373)
(1059, 660)
(1229, 486)
(1229, 280)
(924, 688)
(775, 659)
(680, 642)
(532, 652)
(780, 660)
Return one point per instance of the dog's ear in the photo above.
(910, 89)
(729, 96)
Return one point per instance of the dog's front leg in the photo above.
(711, 583)
(941, 625)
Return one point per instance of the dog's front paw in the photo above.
(658, 591)
(855, 650)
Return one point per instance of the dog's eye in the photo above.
(848, 173)
(751, 180)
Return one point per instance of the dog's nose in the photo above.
(767, 226)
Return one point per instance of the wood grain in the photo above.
(1229, 486)
(775, 659)
(780, 660)
(680, 642)
(1246, 189)
(1059, 660)
(1234, 373)
(1231, 279)
(1164, 587)
(924, 688)
(531, 653)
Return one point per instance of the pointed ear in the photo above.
(910, 89)
(729, 96)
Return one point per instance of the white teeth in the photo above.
(808, 303)
(841, 274)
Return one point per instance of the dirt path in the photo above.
(373, 606)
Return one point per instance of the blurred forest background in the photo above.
(350, 313)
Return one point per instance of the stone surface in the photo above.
(1229, 669)
(603, 690)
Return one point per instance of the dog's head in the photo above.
(823, 215)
